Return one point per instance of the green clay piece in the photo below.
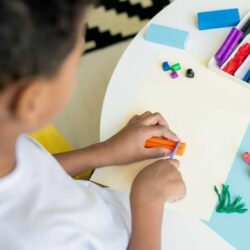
(176, 67)
(224, 202)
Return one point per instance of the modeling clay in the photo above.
(218, 19)
(165, 143)
(176, 67)
(165, 66)
(168, 36)
(174, 75)
(190, 73)
(246, 157)
(225, 205)
(239, 58)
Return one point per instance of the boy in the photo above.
(42, 207)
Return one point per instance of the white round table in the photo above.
(140, 54)
(128, 77)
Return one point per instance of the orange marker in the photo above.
(155, 142)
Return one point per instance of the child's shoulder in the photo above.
(27, 142)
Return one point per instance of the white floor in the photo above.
(80, 122)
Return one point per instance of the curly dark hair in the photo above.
(36, 36)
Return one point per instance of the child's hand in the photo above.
(160, 181)
(155, 184)
(127, 146)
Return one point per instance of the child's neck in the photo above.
(7, 152)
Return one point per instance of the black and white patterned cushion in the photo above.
(112, 21)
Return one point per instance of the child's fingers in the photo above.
(154, 119)
(145, 114)
(180, 194)
(157, 152)
(134, 118)
(174, 162)
(177, 198)
(162, 131)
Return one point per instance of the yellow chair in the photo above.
(55, 143)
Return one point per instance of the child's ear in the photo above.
(32, 105)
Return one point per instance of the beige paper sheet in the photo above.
(210, 113)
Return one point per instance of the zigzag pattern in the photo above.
(118, 18)
(134, 9)
(144, 3)
(123, 24)
(103, 39)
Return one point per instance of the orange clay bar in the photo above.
(165, 143)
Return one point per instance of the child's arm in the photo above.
(125, 147)
(159, 183)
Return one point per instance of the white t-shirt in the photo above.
(41, 207)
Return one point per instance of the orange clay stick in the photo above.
(162, 141)
(165, 143)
